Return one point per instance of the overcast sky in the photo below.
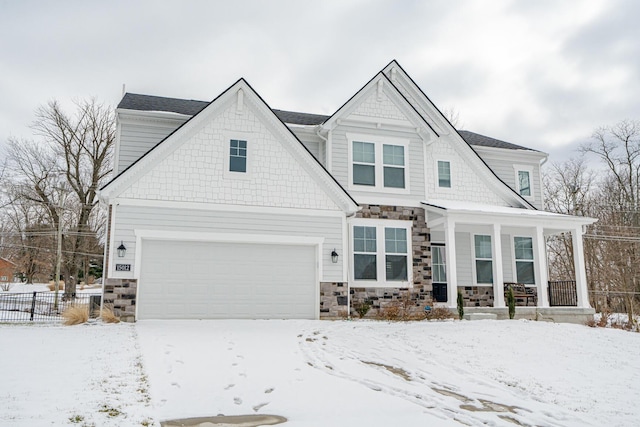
(539, 73)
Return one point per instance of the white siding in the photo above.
(130, 218)
(136, 138)
(464, 258)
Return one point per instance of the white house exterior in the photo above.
(230, 209)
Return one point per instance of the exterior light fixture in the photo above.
(122, 250)
(334, 256)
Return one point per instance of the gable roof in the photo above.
(144, 102)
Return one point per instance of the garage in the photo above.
(222, 280)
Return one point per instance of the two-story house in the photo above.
(231, 209)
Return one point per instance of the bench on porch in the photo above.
(521, 292)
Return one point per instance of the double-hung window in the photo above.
(524, 260)
(364, 163)
(393, 164)
(378, 163)
(238, 155)
(444, 174)
(381, 252)
(484, 262)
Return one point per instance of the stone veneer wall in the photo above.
(333, 300)
(421, 293)
(477, 296)
(121, 295)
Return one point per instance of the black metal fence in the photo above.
(563, 293)
(42, 306)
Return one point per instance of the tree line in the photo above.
(48, 193)
(602, 181)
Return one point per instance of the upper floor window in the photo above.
(524, 180)
(238, 155)
(378, 163)
(444, 174)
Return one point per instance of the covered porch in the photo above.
(482, 250)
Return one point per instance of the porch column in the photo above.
(540, 257)
(498, 272)
(579, 265)
(450, 262)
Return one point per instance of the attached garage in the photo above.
(227, 280)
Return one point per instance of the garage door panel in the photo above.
(226, 280)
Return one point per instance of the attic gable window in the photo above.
(524, 181)
(238, 156)
(444, 174)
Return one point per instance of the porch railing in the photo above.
(563, 293)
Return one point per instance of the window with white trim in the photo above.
(525, 271)
(381, 252)
(237, 155)
(378, 163)
(524, 181)
(438, 264)
(484, 259)
(444, 174)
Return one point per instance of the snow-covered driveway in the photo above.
(380, 374)
(319, 373)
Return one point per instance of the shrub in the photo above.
(52, 285)
(108, 316)
(6, 287)
(362, 308)
(76, 315)
(460, 305)
(439, 313)
(511, 303)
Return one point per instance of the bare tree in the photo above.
(69, 163)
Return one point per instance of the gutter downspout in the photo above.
(542, 163)
(327, 147)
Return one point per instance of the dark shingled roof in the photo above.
(486, 141)
(190, 107)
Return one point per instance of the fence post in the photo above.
(33, 306)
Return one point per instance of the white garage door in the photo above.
(208, 280)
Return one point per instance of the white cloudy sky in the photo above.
(539, 73)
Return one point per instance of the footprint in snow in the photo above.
(175, 385)
(269, 390)
(229, 386)
(237, 400)
(260, 406)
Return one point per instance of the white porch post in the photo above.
(540, 257)
(579, 265)
(498, 272)
(450, 265)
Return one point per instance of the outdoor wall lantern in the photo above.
(122, 249)
(334, 256)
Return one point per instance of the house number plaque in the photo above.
(123, 267)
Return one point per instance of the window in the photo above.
(393, 161)
(524, 260)
(484, 263)
(395, 245)
(444, 174)
(238, 156)
(364, 163)
(4, 279)
(524, 183)
(364, 253)
(381, 252)
(438, 264)
(378, 163)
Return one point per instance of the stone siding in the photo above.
(477, 296)
(413, 300)
(333, 300)
(120, 294)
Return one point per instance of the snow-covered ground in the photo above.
(343, 373)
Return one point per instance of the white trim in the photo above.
(268, 210)
(380, 225)
(529, 169)
(378, 141)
